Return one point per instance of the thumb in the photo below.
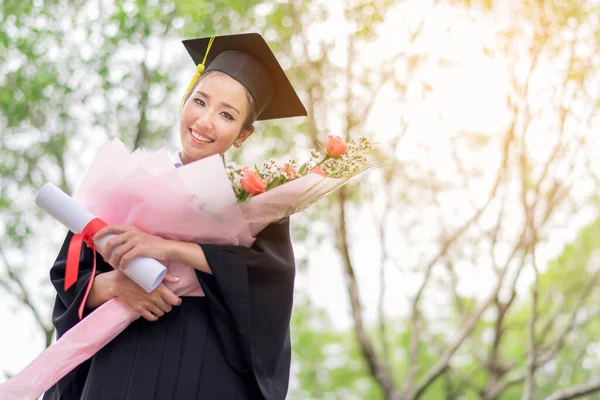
(171, 278)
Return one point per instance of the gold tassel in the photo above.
(199, 70)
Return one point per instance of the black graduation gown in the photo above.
(233, 343)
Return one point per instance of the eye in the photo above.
(199, 101)
(227, 115)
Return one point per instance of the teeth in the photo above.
(201, 138)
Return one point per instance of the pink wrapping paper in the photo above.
(150, 193)
(194, 203)
(73, 348)
(85, 339)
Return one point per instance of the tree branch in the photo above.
(442, 364)
(378, 371)
(22, 295)
(142, 130)
(382, 286)
(532, 351)
(576, 391)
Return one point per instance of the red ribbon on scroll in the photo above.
(72, 269)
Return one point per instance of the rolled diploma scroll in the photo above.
(145, 271)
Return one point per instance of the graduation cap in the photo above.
(248, 59)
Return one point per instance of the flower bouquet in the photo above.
(275, 191)
(203, 202)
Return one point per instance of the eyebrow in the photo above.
(226, 105)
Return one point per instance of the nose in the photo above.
(204, 120)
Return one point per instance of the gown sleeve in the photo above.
(65, 312)
(250, 298)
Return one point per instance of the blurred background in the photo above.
(465, 268)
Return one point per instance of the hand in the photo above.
(132, 242)
(150, 306)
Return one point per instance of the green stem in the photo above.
(327, 157)
(303, 168)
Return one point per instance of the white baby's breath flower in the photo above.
(352, 161)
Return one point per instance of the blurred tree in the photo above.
(542, 178)
(326, 363)
(329, 364)
(447, 207)
(73, 74)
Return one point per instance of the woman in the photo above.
(234, 342)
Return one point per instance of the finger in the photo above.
(116, 229)
(121, 253)
(154, 309)
(103, 232)
(171, 278)
(129, 256)
(112, 243)
(162, 304)
(169, 296)
(148, 315)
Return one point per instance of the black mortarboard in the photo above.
(248, 59)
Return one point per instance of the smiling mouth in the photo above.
(200, 138)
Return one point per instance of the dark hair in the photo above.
(250, 118)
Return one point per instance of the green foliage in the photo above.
(562, 286)
(68, 80)
(328, 363)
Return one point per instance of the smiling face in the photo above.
(213, 117)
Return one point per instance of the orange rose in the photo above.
(318, 170)
(252, 182)
(335, 146)
(289, 170)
